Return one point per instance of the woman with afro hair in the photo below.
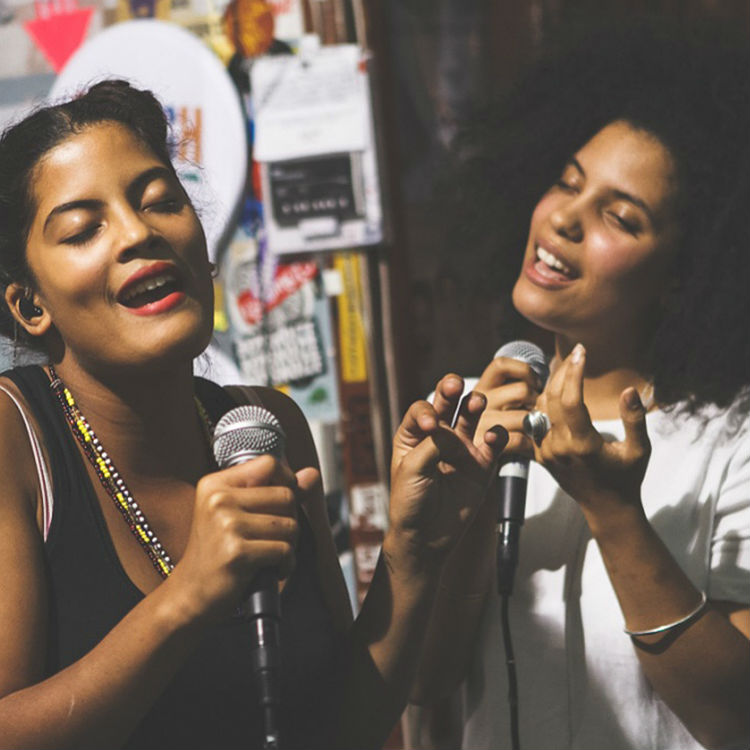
(630, 150)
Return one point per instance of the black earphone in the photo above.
(28, 309)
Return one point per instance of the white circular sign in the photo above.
(205, 112)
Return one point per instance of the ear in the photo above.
(28, 309)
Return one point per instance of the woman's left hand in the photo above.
(439, 478)
(599, 475)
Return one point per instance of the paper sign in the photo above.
(289, 22)
(58, 29)
(310, 105)
(315, 142)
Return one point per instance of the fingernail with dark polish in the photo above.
(500, 432)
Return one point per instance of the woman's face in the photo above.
(602, 240)
(117, 252)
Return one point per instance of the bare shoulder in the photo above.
(17, 466)
(22, 595)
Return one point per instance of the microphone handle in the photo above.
(262, 609)
(512, 481)
(263, 595)
(243, 434)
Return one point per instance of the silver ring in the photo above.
(536, 425)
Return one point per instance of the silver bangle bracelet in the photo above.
(682, 621)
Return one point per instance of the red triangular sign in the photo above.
(60, 35)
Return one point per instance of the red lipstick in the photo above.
(146, 272)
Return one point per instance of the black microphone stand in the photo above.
(511, 510)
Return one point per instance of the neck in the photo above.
(610, 369)
(147, 422)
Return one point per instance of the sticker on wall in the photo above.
(127, 10)
(280, 324)
(352, 338)
(249, 25)
(59, 29)
(277, 337)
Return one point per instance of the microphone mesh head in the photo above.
(246, 432)
(529, 353)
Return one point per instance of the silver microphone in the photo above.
(512, 478)
(529, 353)
(247, 432)
(242, 434)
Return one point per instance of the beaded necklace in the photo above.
(110, 477)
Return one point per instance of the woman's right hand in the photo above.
(244, 520)
(511, 388)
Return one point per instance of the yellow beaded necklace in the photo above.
(110, 477)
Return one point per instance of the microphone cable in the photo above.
(512, 483)
(510, 666)
(507, 556)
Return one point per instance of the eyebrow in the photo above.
(92, 204)
(622, 194)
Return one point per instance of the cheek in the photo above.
(79, 279)
(190, 236)
(67, 278)
(620, 260)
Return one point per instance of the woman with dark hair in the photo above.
(126, 552)
(636, 262)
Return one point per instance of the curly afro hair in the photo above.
(689, 87)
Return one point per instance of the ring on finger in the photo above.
(536, 425)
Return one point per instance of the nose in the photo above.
(135, 233)
(566, 221)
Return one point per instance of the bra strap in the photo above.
(43, 476)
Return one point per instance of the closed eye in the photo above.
(629, 226)
(572, 177)
(166, 206)
(81, 238)
(566, 186)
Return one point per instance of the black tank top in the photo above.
(211, 702)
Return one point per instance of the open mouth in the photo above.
(150, 290)
(551, 266)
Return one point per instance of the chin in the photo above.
(524, 301)
(191, 346)
(174, 349)
(528, 304)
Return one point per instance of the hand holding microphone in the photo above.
(242, 541)
(518, 373)
(556, 430)
(244, 434)
(244, 520)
